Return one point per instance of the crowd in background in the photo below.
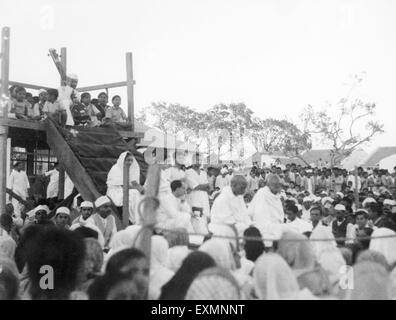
(288, 232)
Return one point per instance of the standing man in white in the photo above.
(18, 182)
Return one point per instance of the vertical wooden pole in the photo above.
(63, 59)
(356, 189)
(61, 187)
(130, 93)
(5, 68)
(125, 195)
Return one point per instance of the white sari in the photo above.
(115, 185)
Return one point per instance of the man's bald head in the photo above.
(238, 185)
(274, 183)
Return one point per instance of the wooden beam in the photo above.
(5, 72)
(63, 58)
(28, 86)
(40, 126)
(125, 196)
(130, 94)
(61, 187)
(103, 86)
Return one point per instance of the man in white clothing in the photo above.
(293, 222)
(222, 179)
(18, 182)
(53, 185)
(307, 204)
(266, 210)
(66, 94)
(86, 220)
(104, 219)
(230, 208)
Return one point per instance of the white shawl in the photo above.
(116, 174)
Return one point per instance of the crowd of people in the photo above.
(66, 105)
(288, 232)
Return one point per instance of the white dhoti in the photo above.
(115, 193)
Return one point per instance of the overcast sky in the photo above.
(276, 56)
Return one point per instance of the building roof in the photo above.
(377, 155)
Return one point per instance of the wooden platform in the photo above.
(39, 126)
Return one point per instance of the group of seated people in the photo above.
(82, 109)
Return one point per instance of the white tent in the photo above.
(388, 163)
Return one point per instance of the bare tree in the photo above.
(352, 126)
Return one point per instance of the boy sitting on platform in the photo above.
(93, 112)
(33, 112)
(19, 104)
(115, 113)
(43, 96)
(53, 109)
(80, 111)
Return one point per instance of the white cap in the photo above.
(389, 202)
(101, 201)
(223, 170)
(340, 207)
(368, 200)
(327, 199)
(324, 193)
(340, 194)
(72, 76)
(307, 199)
(41, 91)
(63, 210)
(86, 204)
(31, 213)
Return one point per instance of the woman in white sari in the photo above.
(115, 184)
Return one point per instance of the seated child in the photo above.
(93, 112)
(79, 112)
(115, 113)
(53, 109)
(19, 104)
(42, 98)
(33, 112)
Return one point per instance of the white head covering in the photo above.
(368, 200)
(307, 199)
(223, 171)
(340, 194)
(221, 252)
(386, 246)
(370, 282)
(177, 254)
(86, 204)
(115, 176)
(41, 91)
(101, 201)
(214, 284)
(63, 210)
(72, 76)
(327, 199)
(274, 279)
(31, 213)
(339, 207)
(389, 202)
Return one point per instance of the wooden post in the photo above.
(61, 188)
(147, 210)
(130, 83)
(125, 195)
(356, 189)
(5, 67)
(63, 59)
